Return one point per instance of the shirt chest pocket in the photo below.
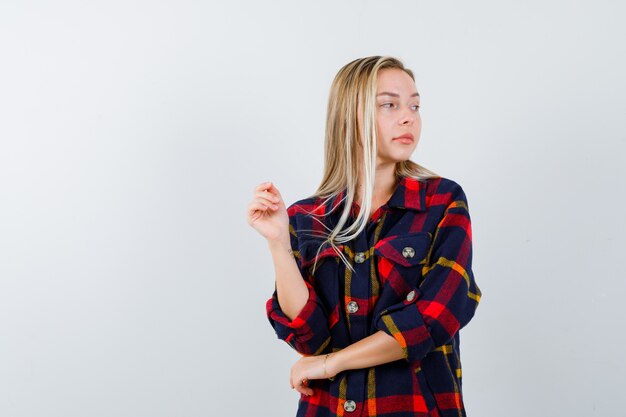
(314, 259)
(400, 259)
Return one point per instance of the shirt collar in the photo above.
(410, 193)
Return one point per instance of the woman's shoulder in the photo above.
(443, 192)
(310, 205)
(300, 211)
(311, 212)
(304, 205)
(443, 186)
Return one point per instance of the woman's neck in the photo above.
(384, 185)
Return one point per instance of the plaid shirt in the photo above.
(413, 280)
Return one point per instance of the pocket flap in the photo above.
(309, 250)
(408, 249)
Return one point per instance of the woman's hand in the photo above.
(310, 367)
(268, 215)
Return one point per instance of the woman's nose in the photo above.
(408, 117)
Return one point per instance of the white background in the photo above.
(133, 132)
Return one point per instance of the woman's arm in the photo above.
(268, 214)
(294, 310)
(291, 290)
(373, 350)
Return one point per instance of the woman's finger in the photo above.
(265, 205)
(267, 200)
(275, 191)
(302, 388)
(260, 203)
(256, 211)
(269, 195)
(263, 186)
(300, 383)
(254, 206)
(272, 189)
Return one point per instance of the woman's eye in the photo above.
(387, 105)
(416, 107)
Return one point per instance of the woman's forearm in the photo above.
(291, 290)
(373, 350)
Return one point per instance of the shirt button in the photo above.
(410, 296)
(408, 252)
(359, 257)
(353, 307)
(349, 406)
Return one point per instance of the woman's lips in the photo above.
(407, 139)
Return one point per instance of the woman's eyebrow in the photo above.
(387, 93)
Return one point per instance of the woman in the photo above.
(373, 271)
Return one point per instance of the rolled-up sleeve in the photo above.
(308, 332)
(447, 296)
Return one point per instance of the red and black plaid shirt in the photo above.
(413, 280)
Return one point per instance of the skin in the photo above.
(397, 113)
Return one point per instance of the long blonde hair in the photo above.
(353, 88)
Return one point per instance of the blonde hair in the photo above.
(353, 89)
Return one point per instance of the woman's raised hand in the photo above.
(267, 213)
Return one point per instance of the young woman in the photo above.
(373, 271)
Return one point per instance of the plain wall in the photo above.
(132, 134)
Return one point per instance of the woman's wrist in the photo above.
(279, 245)
(332, 363)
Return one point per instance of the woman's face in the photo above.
(398, 121)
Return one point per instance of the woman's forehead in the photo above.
(395, 82)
